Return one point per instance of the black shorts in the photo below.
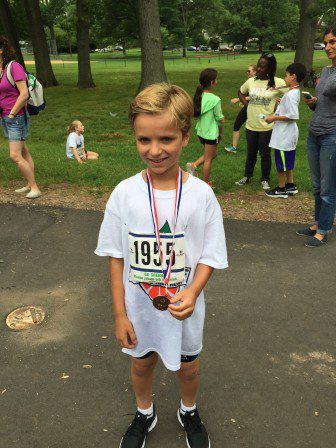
(208, 142)
(240, 119)
(184, 358)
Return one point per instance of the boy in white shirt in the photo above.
(163, 231)
(285, 132)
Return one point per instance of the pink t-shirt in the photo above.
(8, 93)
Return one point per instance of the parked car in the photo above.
(203, 48)
(224, 48)
(192, 48)
(276, 47)
(118, 48)
(318, 46)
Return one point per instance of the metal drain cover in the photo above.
(25, 317)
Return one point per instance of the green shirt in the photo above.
(262, 102)
(211, 114)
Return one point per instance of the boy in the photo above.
(163, 232)
(285, 132)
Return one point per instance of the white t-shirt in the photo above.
(285, 134)
(200, 225)
(74, 141)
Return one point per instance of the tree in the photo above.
(152, 63)
(310, 12)
(43, 66)
(9, 29)
(51, 10)
(83, 44)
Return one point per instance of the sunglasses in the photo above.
(268, 55)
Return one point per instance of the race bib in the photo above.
(145, 266)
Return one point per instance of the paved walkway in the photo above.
(269, 364)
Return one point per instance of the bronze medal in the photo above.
(161, 303)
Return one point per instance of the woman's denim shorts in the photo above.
(16, 129)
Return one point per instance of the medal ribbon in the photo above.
(178, 194)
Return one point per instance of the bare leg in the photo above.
(25, 164)
(199, 161)
(210, 153)
(142, 373)
(235, 138)
(281, 179)
(290, 176)
(93, 154)
(189, 378)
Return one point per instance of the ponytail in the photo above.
(207, 76)
(198, 100)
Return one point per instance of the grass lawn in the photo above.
(116, 82)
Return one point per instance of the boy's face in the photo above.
(290, 80)
(159, 142)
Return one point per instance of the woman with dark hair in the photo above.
(15, 117)
(208, 111)
(321, 148)
(260, 90)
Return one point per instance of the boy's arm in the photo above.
(189, 295)
(123, 329)
(272, 118)
(75, 153)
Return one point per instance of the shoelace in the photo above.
(192, 422)
(138, 427)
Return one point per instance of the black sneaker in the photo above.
(196, 434)
(306, 232)
(277, 193)
(135, 436)
(291, 189)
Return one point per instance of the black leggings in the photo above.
(258, 141)
(240, 119)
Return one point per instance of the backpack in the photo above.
(36, 100)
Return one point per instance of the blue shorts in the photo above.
(184, 358)
(284, 160)
(16, 129)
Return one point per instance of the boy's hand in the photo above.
(124, 332)
(234, 100)
(186, 308)
(270, 119)
(84, 156)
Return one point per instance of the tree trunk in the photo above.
(152, 63)
(306, 35)
(53, 42)
(83, 44)
(44, 71)
(9, 29)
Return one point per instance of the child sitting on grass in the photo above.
(285, 132)
(75, 144)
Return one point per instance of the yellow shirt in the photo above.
(262, 102)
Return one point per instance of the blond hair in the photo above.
(162, 97)
(73, 125)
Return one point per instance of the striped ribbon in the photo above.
(178, 194)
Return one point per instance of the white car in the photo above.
(319, 46)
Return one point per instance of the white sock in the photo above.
(185, 409)
(148, 412)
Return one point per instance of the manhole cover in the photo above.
(25, 317)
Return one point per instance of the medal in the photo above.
(161, 302)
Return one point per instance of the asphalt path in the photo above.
(269, 359)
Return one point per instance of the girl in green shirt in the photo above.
(208, 110)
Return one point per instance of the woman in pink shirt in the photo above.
(15, 118)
